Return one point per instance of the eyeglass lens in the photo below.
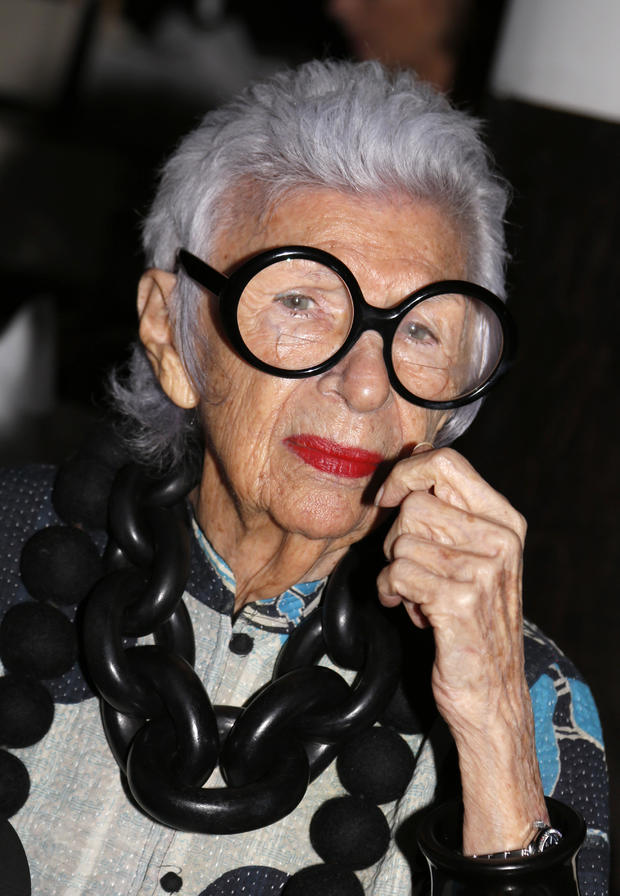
(297, 313)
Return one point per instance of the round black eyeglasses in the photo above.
(296, 311)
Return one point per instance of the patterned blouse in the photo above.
(83, 837)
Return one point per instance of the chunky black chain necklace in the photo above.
(164, 732)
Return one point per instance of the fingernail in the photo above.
(379, 495)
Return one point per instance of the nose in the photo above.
(360, 379)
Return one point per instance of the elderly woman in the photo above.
(318, 322)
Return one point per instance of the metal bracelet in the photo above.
(544, 837)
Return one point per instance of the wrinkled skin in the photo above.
(454, 552)
(455, 561)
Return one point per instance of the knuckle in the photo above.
(414, 509)
(395, 577)
(516, 521)
(487, 572)
(445, 555)
(521, 525)
(402, 546)
(467, 599)
(387, 544)
(515, 541)
(411, 501)
(511, 541)
(447, 459)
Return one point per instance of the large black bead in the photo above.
(326, 880)
(104, 443)
(26, 711)
(81, 491)
(349, 831)
(377, 764)
(60, 564)
(37, 639)
(14, 784)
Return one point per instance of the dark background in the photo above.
(78, 171)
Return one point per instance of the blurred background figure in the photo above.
(449, 43)
(424, 35)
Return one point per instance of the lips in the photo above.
(330, 457)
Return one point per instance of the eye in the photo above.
(295, 302)
(419, 333)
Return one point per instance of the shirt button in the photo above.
(241, 643)
(171, 882)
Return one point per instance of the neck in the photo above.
(264, 559)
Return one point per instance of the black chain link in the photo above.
(162, 729)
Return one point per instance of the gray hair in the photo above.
(352, 127)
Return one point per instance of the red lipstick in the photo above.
(330, 457)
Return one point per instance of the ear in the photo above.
(154, 290)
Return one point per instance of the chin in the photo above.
(320, 516)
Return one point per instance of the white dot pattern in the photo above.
(84, 838)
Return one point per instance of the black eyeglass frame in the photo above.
(385, 321)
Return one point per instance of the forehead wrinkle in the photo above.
(393, 277)
(377, 257)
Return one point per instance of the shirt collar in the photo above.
(278, 614)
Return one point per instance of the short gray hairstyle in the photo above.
(351, 127)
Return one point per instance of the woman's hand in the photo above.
(455, 561)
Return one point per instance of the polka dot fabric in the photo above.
(253, 880)
(83, 836)
(26, 508)
(570, 751)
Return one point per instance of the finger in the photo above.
(401, 581)
(408, 581)
(416, 615)
(448, 564)
(421, 571)
(414, 611)
(425, 516)
(453, 480)
(464, 622)
(434, 471)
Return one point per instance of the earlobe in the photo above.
(154, 290)
(174, 380)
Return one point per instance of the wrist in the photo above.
(551, 871)
(502, 791)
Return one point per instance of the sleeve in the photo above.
(570, 749)
(25, 507)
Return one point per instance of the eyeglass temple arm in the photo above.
(200, 271)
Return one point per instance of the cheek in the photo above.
(243, 412)
(228, 380)
(417, 424)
